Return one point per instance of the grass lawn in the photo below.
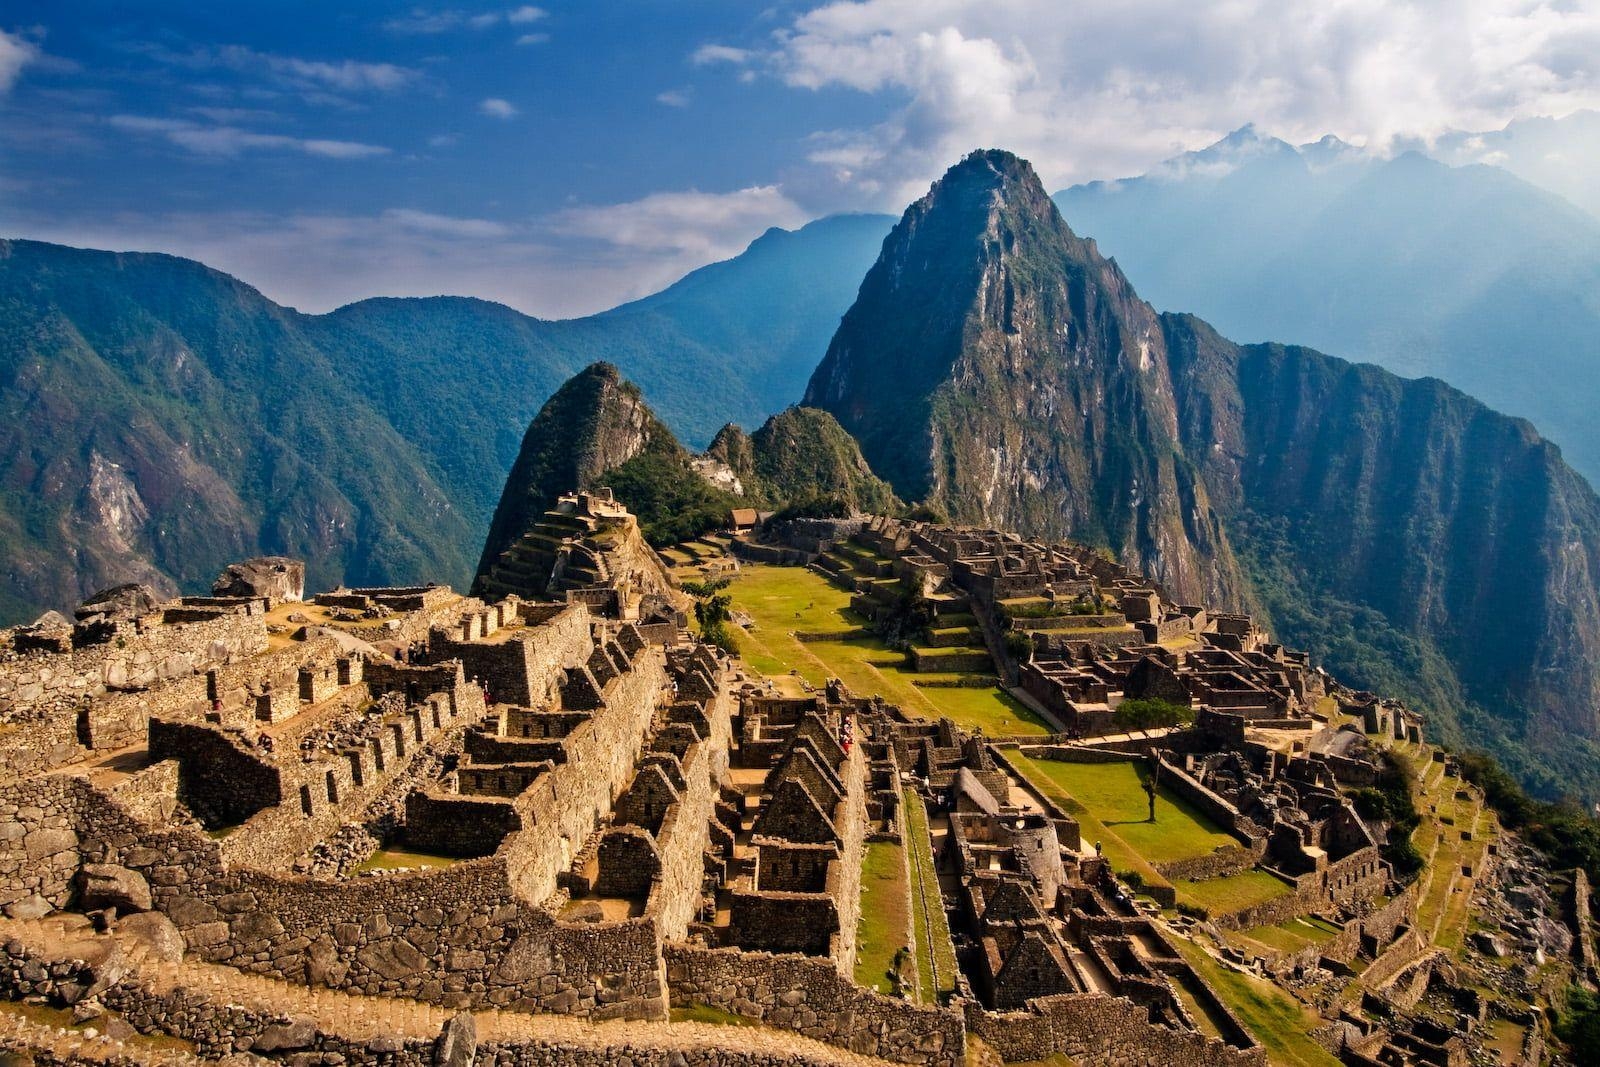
(783, 600)
(1276, 1019)
(936, 955)
(885, 925)
(1111, 806)
(705, 1013)
(1292, 935)
(1236, 892)
(391, 859)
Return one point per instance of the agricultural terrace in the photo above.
(801, 623)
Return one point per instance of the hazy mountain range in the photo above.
(1467, 273)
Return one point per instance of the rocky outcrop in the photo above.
(594, 423)
(799, 454)
(996, 366)
(277, 577)
(127, 601)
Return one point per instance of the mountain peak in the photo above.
(985, 325)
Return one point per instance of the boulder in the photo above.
(105, 885)
(51, 620)
(458, 1042)
(278, 577)
(156, 932)
(299, 1032)
(120, 602)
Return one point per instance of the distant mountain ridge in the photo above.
(1463, 273)
(166, 418)
(999, 366)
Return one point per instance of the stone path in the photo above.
(363, 1018)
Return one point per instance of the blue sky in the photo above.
(563, 157)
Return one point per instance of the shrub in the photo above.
(1149, 713)
(821, 506)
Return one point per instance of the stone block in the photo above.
(105, 885)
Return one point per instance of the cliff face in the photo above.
(593, 424)
(1460, 528)
(997, 367)
(1416, 541)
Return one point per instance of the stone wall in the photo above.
(1227, 860)
(811, 997)
(565, 806)
(221, 1029)
(457, 936)
(685, 834)
(522, 667)
(138, 656)
(1093, 1028)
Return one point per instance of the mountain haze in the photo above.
(997, 366)
(1464, 273)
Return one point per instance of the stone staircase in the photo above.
(374, 1022)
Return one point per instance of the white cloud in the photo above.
(424, 21)
(700, 226)
(308, 76)
(1107, 87)
(533, 38)
(708, 54)
(674, 97)
(497, 108)
(446, 225)
(224, 140)
(15, 53)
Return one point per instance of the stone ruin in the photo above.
(550, 800)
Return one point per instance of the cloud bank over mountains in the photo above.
(599, 166)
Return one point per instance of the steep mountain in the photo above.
(166, 419)
(593, 423)
(1464, 273)
(798, 454)
(1414, 539)
(998, 368)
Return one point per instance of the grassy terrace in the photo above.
(1292, 935)
(936, 955)
(783, 601)
(1111, 806)
(1281, 1023)
(885, 925)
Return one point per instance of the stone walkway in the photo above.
(360, 1019)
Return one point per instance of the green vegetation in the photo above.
(1391, 801)
(936, 954)
(395, 858)
(672, 502)
(783, 601)
(1231, 893)
(1151, 713)
(1566, 835)
(1292, 935)
(705, 1013)
(803, 461)
(1577, 1022)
